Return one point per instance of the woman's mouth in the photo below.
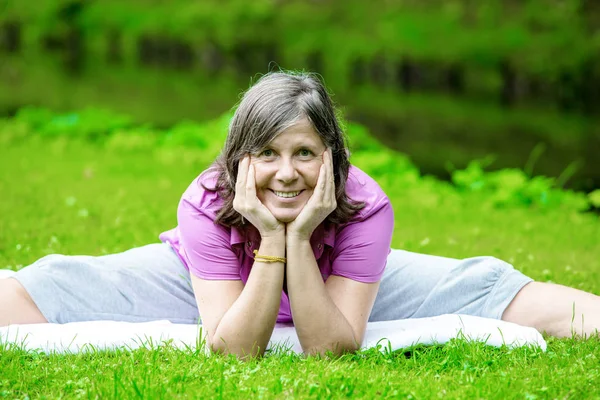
(287, 195)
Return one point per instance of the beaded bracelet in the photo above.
(268, 259)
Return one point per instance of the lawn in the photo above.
(72, 195)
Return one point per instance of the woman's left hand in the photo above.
(319, 206)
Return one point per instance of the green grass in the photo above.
(76, 197)
(457, 370)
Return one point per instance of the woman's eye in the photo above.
(267, 153)
(305, 153)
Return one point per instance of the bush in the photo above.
(393, 170)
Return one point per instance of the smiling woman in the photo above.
(281, 228)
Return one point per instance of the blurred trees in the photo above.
(446, 81)
(537, 51)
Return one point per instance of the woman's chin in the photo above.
(285, 216)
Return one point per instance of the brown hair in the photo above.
(276, 102)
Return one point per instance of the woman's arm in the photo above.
(331, 316)
(320, 324)
(240, 319)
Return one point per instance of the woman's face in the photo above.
(287, 170)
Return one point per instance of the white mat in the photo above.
(5, 273)
(388, 335)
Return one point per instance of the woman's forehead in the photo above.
(301, 132)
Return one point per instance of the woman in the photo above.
(280, 226)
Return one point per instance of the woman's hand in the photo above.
(319, 206)
(250, 207)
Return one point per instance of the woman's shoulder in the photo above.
(362, 188)
(202, 195)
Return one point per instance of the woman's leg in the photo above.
(16, 306)
(142, 284)
(419, 285)
(555, 309)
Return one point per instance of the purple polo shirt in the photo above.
(356, 250)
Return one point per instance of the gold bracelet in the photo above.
(268, 259)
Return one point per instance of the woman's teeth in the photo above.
(286, 194)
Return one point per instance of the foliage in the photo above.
(512, 187)
(595, 198)
(88, 123)
(476, 33)
(503, 188)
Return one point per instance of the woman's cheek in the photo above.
(261, 173)
(314, 174)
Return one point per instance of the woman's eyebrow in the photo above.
(310, 145)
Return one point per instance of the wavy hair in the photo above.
(276, 102)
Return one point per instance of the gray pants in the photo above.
(150, 283)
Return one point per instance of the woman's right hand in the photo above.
(250, 207)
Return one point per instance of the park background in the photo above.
(480, 119)
(445, 81)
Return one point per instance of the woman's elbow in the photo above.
(241, 351)
(336, 349)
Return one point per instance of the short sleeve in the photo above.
(207, 246)
(361, 247)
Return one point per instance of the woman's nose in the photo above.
(286, 171)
